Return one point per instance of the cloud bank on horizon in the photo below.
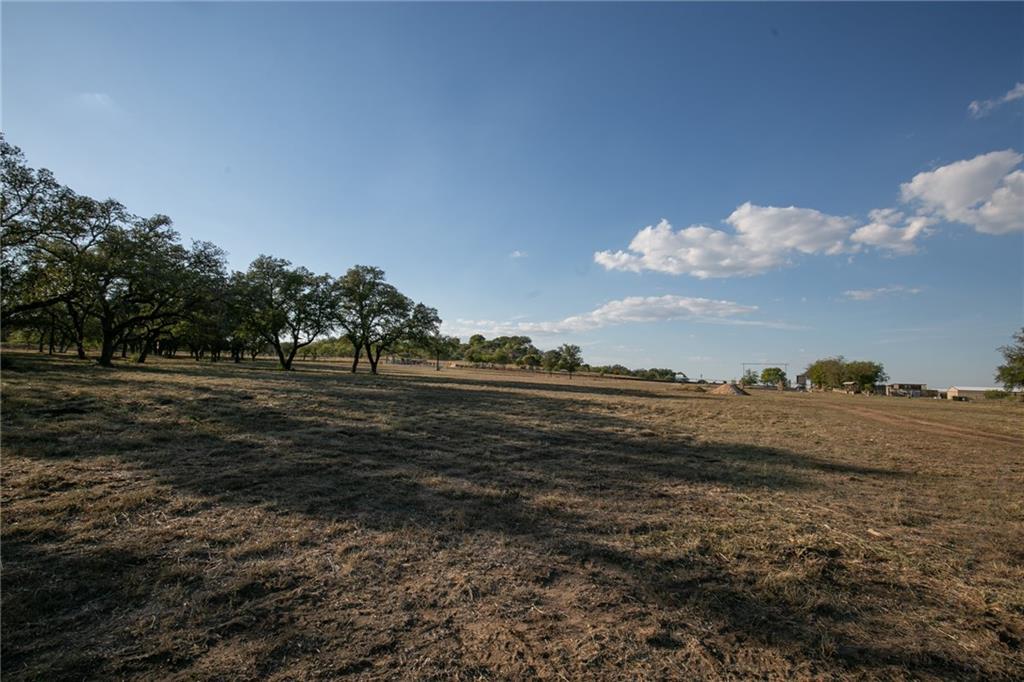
(871, 294)
(627, 310)
(985, 193)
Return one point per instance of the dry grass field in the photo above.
(184, 520)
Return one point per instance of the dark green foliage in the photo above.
(774, 376)
(832, 372)
(502, 350)
(81, 272)
(653, 374)
(571, 358)
(749, 378)
(1011, 373)
(826, 373)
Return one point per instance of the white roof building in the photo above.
(973, 391)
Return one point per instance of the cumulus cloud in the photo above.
(633, 309)
(885, 231)
(699, 251)
(869, 294)
(981, 108)
(518, 254)
(1003, 212)
(763, 238)
(984, 192)
(801, 229)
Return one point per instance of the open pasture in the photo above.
(194, 520)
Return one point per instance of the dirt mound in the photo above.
(729, 389)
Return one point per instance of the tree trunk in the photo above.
(355, 357)
(42, 340)
(286, 363)
(78, 325)
(144, 351)
(106, 358)
(373, 358)
(291, 354)
(124, 349)
(52, 340)
(437, 362)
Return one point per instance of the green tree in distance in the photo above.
(774, 376)
(826, 373)
(1011, 373)
(864, 373)
(571, 358)
(749, 378)
(289, 307)
(551, 360)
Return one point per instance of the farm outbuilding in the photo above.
(972, 392)
(906, 390)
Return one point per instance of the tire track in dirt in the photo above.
(932, 428)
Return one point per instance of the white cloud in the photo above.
(653, 309)
(801, 229)
(984, 192)
(699, 251)
(980, 108)
(1003, 212)
(634, 309)
(518, 254)
(883, 232)
(764, 239)
(869, 294)
(97, 103)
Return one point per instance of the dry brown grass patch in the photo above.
(195, 520)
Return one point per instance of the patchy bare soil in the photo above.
(184, 520)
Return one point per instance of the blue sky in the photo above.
(834, 179)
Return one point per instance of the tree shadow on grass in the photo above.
(580, 385)
(389, 454)
(394, 374)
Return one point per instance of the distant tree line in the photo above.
(514, 350)
(834, 372)
(79, 272)
(652, 374)
(518, 351)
